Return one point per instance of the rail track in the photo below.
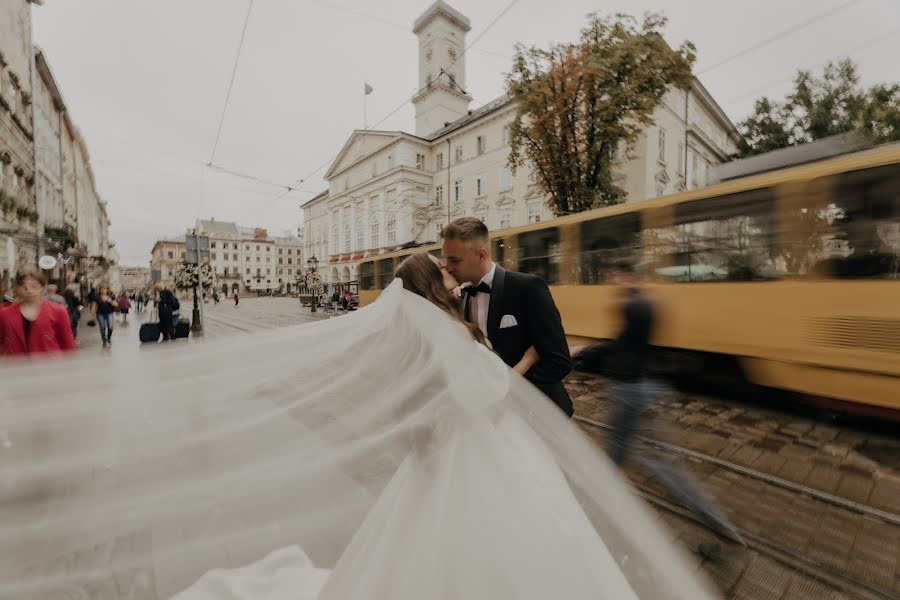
(770, 548)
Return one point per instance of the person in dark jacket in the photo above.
(166, 304)
(626, 358)
(73, 307)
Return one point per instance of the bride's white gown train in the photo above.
(485, 476)
(379, 456)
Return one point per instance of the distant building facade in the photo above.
(134, 279)
(165, 257)
(389, 188)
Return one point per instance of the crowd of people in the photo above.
(30, 317)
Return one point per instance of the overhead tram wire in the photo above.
(490, 25)
(246, 176)
(237, 60)
(780, 35)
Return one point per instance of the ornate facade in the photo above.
(389, 188)
(48, 197)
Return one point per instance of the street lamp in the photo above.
(313, 265)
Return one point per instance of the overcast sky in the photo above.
(145, 81)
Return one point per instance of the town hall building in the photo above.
(389, 188)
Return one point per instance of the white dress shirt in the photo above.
(480, 303)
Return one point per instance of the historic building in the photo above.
(389, 188)
(48, 197)
(165, 256)
(134, 279)
(18, 208)
(249, 260)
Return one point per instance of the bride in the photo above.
(396, 458)
(405, 549)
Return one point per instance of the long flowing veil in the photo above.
(134, 478)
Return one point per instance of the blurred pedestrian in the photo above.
(167, 304)
(73, 307)
(124, 307)
(51, 295)
(236, 299)
(139, 302)
(34, 324)
(626, 358)
(102, 309)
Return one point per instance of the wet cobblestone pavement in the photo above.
(821, 501)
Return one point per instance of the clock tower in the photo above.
(442, 96)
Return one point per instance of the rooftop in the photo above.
(474, 115)
(441, 7)
(218, 227)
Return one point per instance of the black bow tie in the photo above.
(481, 288)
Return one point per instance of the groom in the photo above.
(514, 310)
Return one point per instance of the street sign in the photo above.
(47, 262)
(192, 243)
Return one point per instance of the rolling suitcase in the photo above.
(182, 328)
(149, 332)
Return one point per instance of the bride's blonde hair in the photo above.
(422, 276)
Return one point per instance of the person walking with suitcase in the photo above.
(166, 304)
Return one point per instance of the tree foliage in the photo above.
(820, 107)
(578, 102)
(189, 275)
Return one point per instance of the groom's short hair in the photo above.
(467, 229)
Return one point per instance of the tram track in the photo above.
(833, 500)
(777, 552)
(780, 553)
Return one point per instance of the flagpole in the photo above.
(367, 89)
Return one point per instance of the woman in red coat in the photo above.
(34, 325)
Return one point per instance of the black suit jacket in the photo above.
(527, 298)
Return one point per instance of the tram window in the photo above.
(385, 272)
(539, 254)
(498, 251)
(858, 233)
(728, 238)
(605, 242)
(367, 275)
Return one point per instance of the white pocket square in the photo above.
(508, 321)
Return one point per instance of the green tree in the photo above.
(578, 102)
(820, 107)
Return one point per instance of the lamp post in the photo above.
(313, 265)
(196, 322)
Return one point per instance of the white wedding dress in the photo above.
(380, 456)
(476, 480)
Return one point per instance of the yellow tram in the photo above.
(793, 275)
